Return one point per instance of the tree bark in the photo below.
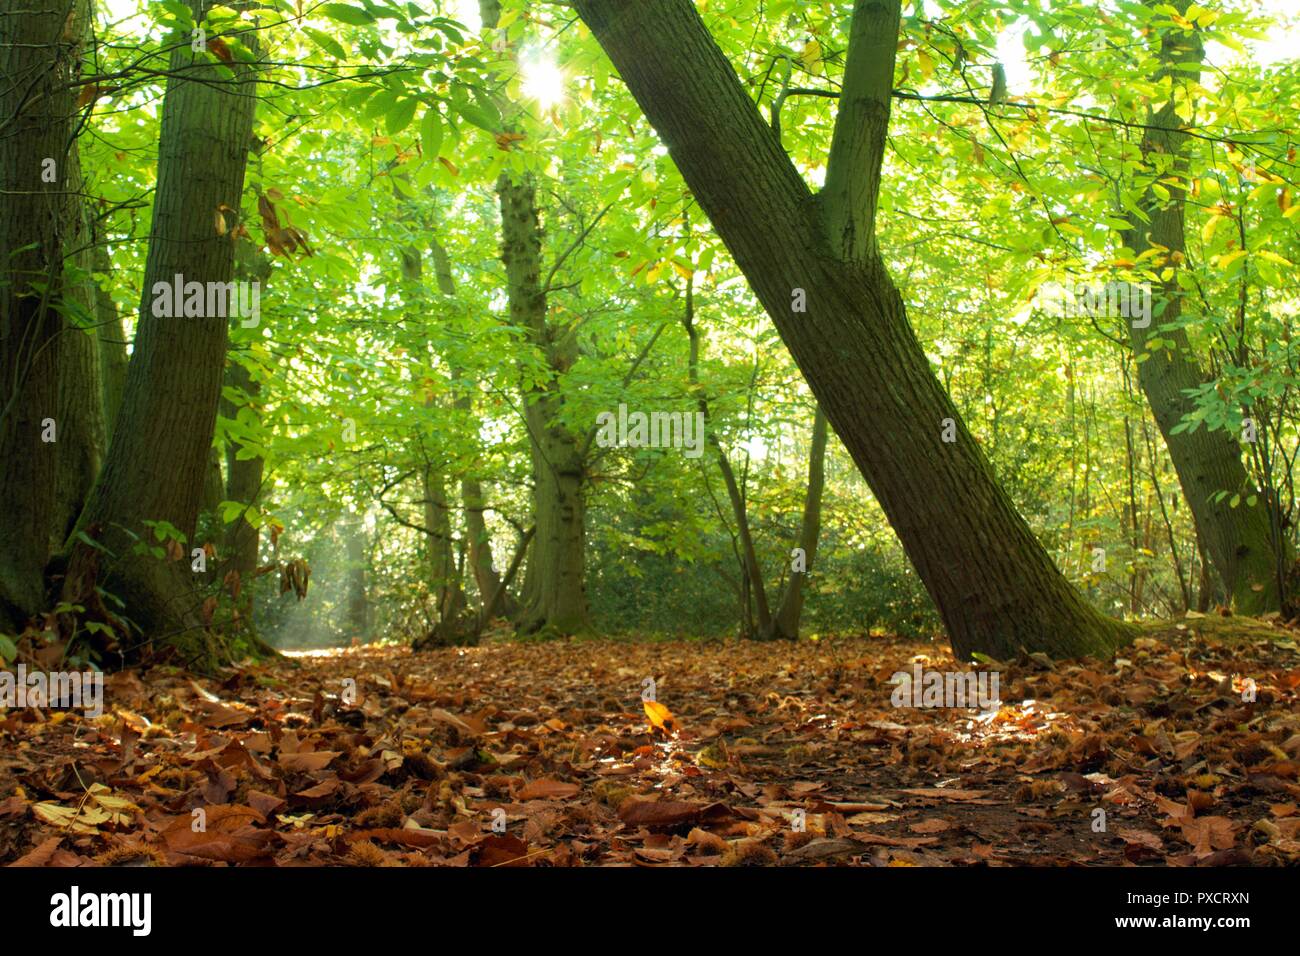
(81, 409)
(994, 584)
(159, 457)
(40, 61)
(555, 591)
(1238, 541)
(554, 594)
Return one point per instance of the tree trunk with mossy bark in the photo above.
(555, 595)
(812, 261)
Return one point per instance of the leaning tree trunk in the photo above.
(785, 623)
(1239, 541)
(159, 457)
(40, 61)
(994, 584)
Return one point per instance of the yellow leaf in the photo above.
(811, 56)
(1230, 258)
(926, 63)
(660, 716)
(1207, 231)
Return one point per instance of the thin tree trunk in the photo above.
(81, 409)
(739, 510)
(473, 501)
(244, 474)
(356, 603)
(785, 624)
(112, 339)
(994, 584)
(1238, 541)
(444, 571)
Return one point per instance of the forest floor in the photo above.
(773, 754)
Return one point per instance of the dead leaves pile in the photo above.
(752, 754)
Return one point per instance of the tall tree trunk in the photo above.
(1238, 541)
(473, 501)
(556, 566)
(159, 458)
(994, 584)
(40, 61)
(785, 623)
(445, 579)
(555, 594)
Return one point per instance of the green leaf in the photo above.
(346, 13)
(431, 132)
(400, 116)
(327, 43)
(478, 116)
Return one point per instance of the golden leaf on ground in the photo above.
(660, 716)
